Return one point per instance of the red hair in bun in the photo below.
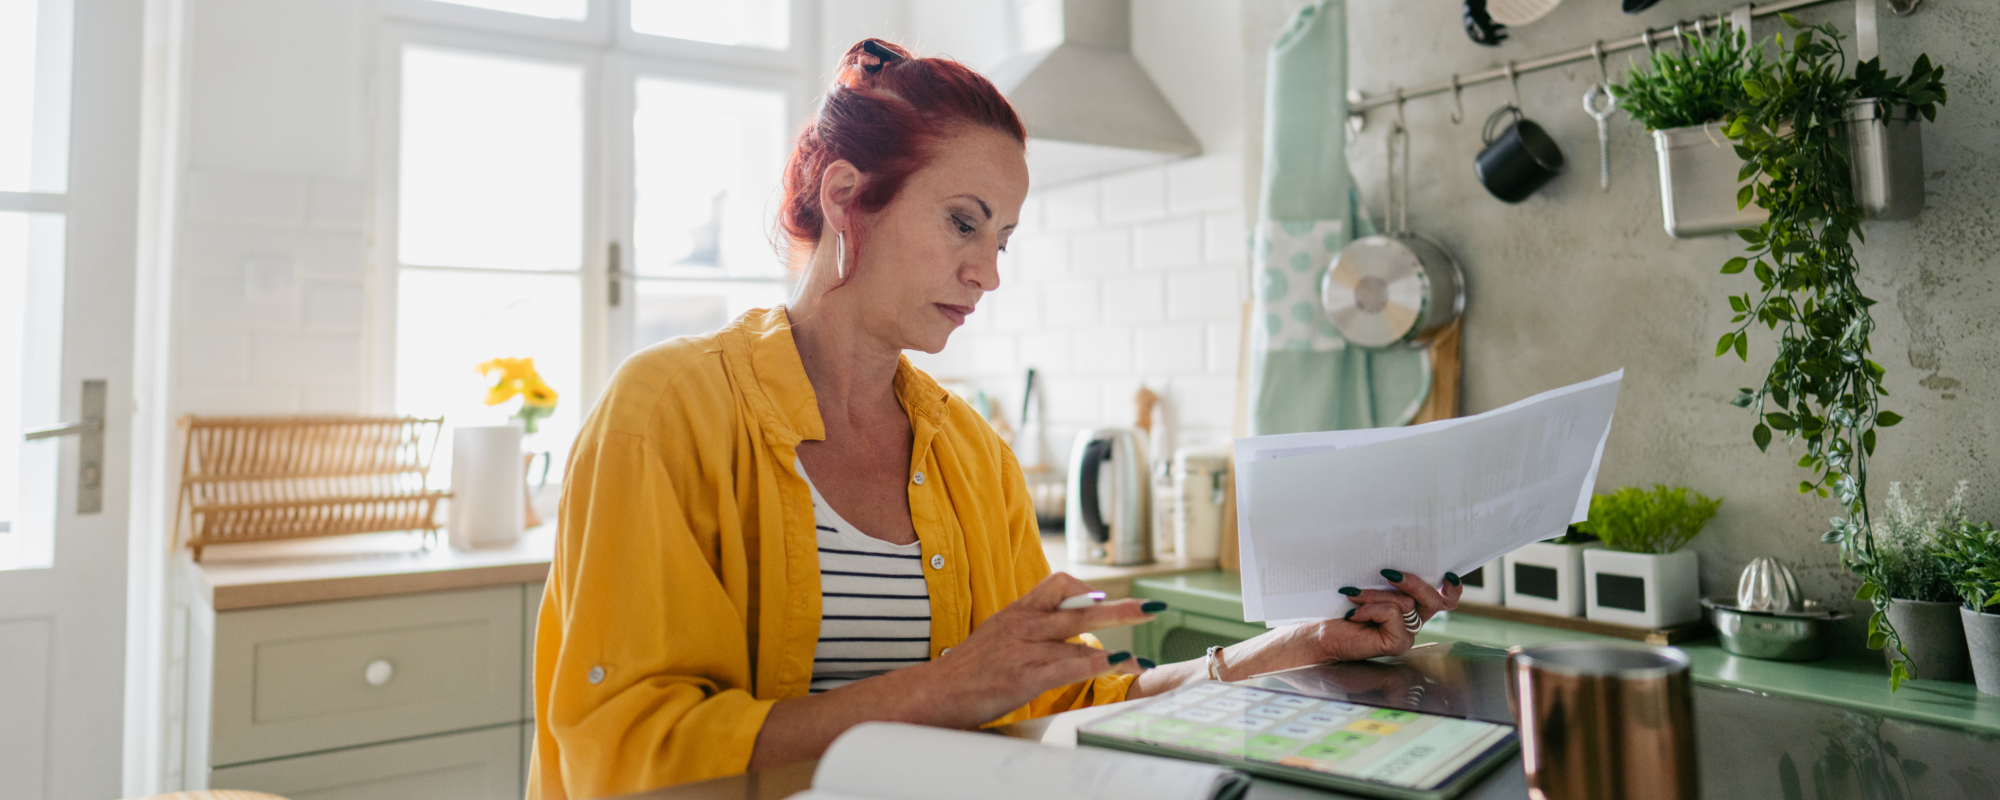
(886, 114)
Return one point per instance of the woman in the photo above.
(779, 530)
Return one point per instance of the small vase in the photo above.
(1934, 636)
(487, 493)
(1982, 637)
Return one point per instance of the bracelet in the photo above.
(1215, 663)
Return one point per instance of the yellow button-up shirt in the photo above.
(684, 598)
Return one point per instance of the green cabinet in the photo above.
(1204, 609)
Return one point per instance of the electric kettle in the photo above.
(1109, 509)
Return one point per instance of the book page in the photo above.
(1331, 511)
(890, 761)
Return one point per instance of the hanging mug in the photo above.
(1519, 160)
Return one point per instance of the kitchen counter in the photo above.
(264, 574)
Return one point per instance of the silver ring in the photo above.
(1412, 622)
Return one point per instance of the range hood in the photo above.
(1090, 108)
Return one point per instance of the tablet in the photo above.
(1367, 750)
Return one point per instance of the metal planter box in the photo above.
(1698, 184)
(1885, 149)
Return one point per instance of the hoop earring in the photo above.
(840, 258)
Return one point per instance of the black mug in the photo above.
(1519, 160)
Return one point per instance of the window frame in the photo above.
(613, 60)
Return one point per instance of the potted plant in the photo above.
(1822, 390)
(1643, 577)
(1923, 605)
(1683, 100)
(1970, 556)
(1548, 576)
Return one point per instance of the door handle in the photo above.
(90, 451)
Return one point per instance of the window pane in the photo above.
(667, 309)
(31, 295)
(756, 23)
(448, 322)
(492, 161)
(34, 95)
(552, 9)
(706, 165)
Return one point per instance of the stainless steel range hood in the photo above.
(1090, 108)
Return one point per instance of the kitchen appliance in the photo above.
(1108, 515)
(1774, 635)
(1604, 719)
(1395, 289)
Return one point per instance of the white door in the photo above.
(69, 194)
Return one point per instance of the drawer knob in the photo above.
(379, 672)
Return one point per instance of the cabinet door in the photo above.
(531, 613)
(476, 765)
(1179, 636)
(304, 678)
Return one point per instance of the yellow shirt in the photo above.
(684, 597)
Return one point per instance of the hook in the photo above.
(1458, 100)
(1679, 37)
(1603, 74)
(1399, 108)
(1699, 33)
(1514, 80)
(1647, 38)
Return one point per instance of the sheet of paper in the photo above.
(891, 761)
(1325, 510)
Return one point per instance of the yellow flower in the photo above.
(517, 377)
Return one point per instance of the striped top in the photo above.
(875, 612)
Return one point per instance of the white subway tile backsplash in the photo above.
(213, 196)
(333, 254)
(1208, 183)
(333, 307)
(331, 400)
(1209, 293)
(1012, 308)
(1228, 237)
(1070, 208)
(220, 304)
(1101, 251)
(1031, 217)
(236, 399)
(1139, 297)
(993, 354)
(1039, 258)
(1046, 351)
(1206, 402)
(1074, 401)
(1225, 346)
(306, 358)
(1070, 303)
(1172, 348)
(1134, 196)
(337, 205)
(210, 356)
(1168, 244)
(1104, 350)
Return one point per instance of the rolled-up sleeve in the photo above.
(642, 664)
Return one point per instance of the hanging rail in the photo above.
(1361, 105)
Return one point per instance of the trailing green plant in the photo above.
(1661, 521)
(1822, 389)
(1695, 86)
(1908, 539)
(1971, 557)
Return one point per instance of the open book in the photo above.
(891, 761)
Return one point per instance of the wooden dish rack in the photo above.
(254, 479)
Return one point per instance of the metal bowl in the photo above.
(1785, 636)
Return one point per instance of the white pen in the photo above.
(1085, 600)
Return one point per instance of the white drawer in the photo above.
(297, 679)
(475, 765)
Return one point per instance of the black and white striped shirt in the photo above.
(875, 613)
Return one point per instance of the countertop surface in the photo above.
(262, 574)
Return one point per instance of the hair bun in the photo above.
(866, 59)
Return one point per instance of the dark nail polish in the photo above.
(1350, 614)
(1146, 663)
(1120, 657)
(1453, 577)
(1350, 591)
(1152, 606)
(1392, 575)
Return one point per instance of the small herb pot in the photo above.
(1982, 638)
(1486, 583)
(1645, 590)
(1547, 577)
(1885, 152)
(1934, 636)
(1698, 184)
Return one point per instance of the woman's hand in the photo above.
(1021, 652)
(1387, 637)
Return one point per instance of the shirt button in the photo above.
(946, 651)
(937, 561)
(596, 675)
(919, 479)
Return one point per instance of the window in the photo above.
(573, 197)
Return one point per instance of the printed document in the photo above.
(1319, 511)
(893, 761)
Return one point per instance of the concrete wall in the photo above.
(1575, 282)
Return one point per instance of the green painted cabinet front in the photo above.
(475, 765)
(1204, 609)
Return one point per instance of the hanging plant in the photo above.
(1822, 389)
